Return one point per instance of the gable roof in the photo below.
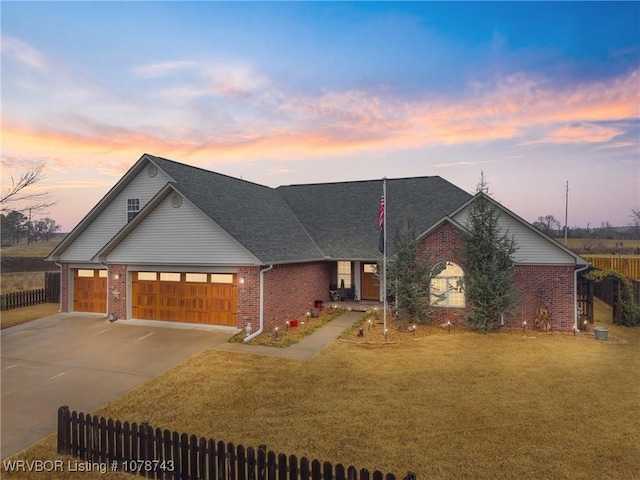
(255, 215)
(342, 217)
(551, 241)
(297, 223)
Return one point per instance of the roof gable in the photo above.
(534, 247)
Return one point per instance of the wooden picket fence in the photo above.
(626, 265)
(49, 294)
(155, 453)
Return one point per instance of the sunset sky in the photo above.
(533, 94)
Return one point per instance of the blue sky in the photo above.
(533, 94)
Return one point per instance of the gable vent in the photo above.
(176, 200)
(152, 170)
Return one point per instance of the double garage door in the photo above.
(208, 298)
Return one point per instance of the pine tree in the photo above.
(489, 275)
(409, 276)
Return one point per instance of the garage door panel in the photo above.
(89, 292)
(194, 301)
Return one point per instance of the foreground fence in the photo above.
(49, 294)
(155, 453)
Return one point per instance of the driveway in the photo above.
(83, 361)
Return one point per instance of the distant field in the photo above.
(40, 249)
(596, 245)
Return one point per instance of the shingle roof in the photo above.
(343, 217)
(255, 215)
(299, 223)
(317, 221)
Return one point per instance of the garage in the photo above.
(90, 290)
(206, 298)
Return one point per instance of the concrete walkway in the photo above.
(307, 347)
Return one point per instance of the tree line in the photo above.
(16, 227)
(549, 225)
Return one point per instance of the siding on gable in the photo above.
(182, 235)
(113, 217)
(533, 249)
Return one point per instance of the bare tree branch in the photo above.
(38, 201)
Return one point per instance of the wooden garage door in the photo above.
(185, 297)
(90, 291)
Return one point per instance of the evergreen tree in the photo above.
(408, 276)
(489, 275)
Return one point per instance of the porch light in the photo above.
(116, 276)
(242, 280)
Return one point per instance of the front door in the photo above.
(370, 283)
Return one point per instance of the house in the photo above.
(176, 243)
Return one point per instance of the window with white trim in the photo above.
(133, 208)
(447, 288)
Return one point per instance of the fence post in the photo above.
(64, 431)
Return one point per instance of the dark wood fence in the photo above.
(49, 294)
(155, 453)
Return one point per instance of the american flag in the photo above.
(381, 213)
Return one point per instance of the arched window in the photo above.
(447, 288)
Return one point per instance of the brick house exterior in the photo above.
(198, 226)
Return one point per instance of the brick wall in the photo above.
(545, 285)
(64, 286)
(445, 243)
(290, 290)
(248, 297)
(538, 285)
(117, 290)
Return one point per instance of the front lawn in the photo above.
(458, 405)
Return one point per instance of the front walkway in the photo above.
(304, 349)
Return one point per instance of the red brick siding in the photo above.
(248, 297)
(545, 285)
(117, 305)
(290, 290)
(548, 285)
(65, 274)
(445, 243)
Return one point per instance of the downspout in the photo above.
(259, 331)
(576, 329)
(60, 267)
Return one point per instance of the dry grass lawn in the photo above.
(27, 314)
(512, 405)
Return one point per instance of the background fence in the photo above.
(49, 294)
(155, 453)
(629, 266)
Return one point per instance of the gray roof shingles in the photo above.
(313, 222)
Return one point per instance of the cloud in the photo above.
(23, 53)
(231, 112)
(585, 133)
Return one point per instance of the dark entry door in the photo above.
(370, 283)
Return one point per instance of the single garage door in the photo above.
(209, 298)
(90, 290)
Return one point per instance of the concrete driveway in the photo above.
(83, 361)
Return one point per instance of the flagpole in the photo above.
(384, 255)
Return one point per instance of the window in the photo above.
(197, 277)
(447, 288)
(169, 277)
(344, 273)
(222, 278)
(133, 208)
(85, 273)
(149, 276)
